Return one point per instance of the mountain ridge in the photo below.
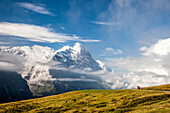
(48, 54)
(42, 67)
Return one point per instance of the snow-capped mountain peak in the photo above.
(63, 49)
(76, 57)
(77, 48)
(41, 66)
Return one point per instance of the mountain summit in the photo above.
(76, 57)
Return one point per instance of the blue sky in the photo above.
(107, 28)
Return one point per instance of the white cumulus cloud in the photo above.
(110, 51)
(152, 68)
(162, 47)
(116, 52)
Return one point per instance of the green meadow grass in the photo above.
(118, 101)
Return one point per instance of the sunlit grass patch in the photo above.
(159, 88)
(117, 101)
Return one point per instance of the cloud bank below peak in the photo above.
(37, 33)
(35, 8)
(154, 59)
(152, 68)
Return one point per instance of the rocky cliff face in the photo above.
(13, 87)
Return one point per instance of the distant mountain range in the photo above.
(49, 72)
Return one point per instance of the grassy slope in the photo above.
(95, 100)
(160, 88)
